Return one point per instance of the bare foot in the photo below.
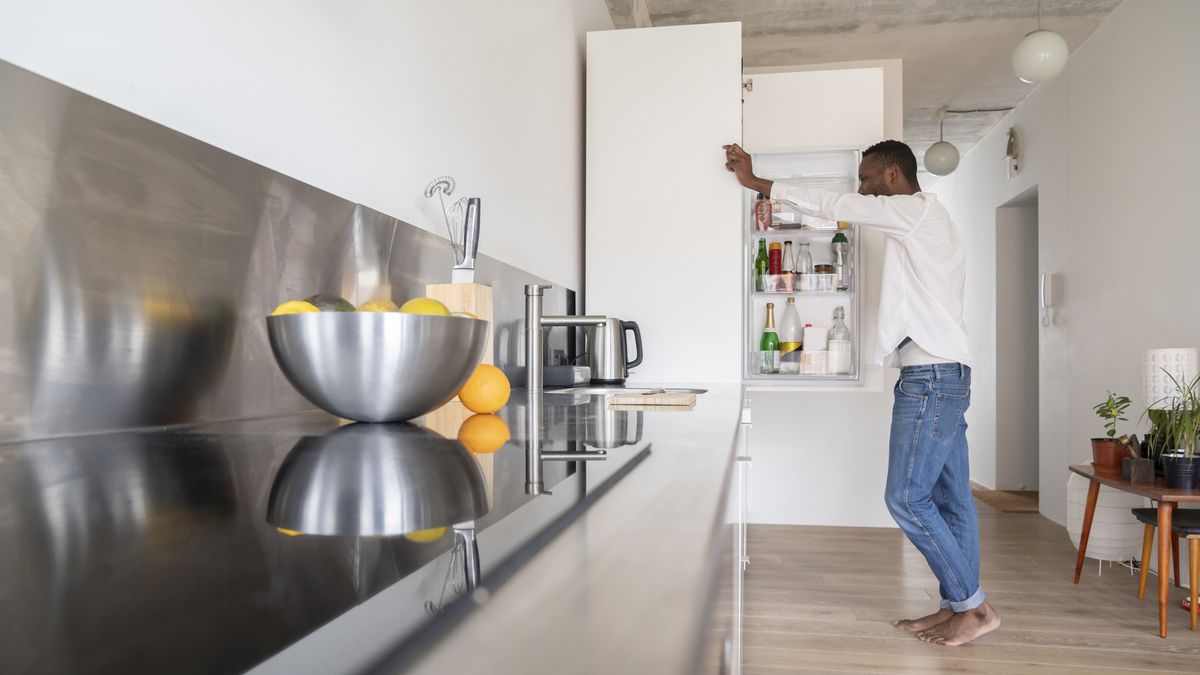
(963, 627)
(918, 625)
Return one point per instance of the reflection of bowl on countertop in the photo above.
(376, 480)
(377, 366)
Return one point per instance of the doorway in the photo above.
(1017, 316)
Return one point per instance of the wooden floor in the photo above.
(821, 599)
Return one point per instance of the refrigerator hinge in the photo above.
(748, 84)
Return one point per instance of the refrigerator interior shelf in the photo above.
(802, 293)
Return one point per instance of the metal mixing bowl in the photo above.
(377, 366)
(376, 480)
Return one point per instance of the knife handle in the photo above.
(470, 236)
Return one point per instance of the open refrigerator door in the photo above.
(803, 273)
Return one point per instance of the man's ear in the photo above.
(892, 172)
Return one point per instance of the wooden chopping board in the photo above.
(679, 399)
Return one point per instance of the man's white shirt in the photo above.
(924, 266)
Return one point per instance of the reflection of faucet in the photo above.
(534, 323)
(534, 456)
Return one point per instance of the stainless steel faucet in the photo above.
(534, 323)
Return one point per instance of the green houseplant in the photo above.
(1179, 427)
(1109, 450)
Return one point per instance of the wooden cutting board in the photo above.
(680, 399)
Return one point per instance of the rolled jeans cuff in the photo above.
(966, 605)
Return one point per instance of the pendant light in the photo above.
(1041, 55)
(941, 158)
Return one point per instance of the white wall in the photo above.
(1111, 146)
(367, 99)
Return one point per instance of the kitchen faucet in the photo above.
(534, 323)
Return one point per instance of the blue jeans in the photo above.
(928, 485)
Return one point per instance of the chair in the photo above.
(1184, 522)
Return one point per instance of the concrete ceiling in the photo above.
(957, 53)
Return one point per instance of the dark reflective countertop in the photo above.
(208, 549)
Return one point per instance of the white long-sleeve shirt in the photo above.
(924, 266)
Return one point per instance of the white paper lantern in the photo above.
(1040, 56)
(941, 158)
(1116, 534)
(1157, 387)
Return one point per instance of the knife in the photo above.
(464, 269)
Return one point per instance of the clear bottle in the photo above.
(841, 349)
(804, 261)
(841, 255)
(791, 339)
(768, 344)
(789, 264)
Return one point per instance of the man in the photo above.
(921, 329)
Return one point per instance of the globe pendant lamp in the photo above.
(941, 158)
(1041, 55)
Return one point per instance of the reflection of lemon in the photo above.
(426, 536)
(378, 306)
(290, 533)
(467, 315)
(294, 307)
(487, 391)
(483, 433)
(424, 306)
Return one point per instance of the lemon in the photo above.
(290, 533)
(483, 433)
(487, 391)
(378, 306)
(465, 315)
(294, 307)
(426, 536)
(424, 306)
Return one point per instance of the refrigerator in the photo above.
(816, 295)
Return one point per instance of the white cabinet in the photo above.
(663, 216)
(813, 109)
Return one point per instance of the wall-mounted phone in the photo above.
(1046, 296)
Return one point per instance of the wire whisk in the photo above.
(455, 215)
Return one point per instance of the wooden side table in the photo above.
(1167, 498)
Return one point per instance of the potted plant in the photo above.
(1109, 450)
(1180, 425)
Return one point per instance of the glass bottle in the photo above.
(761, 262)
(762, 213)
(804, 261)
(791, 338)
(789, 263)
(841, 349)
(841, 253)
(775, 258)
(768, 344)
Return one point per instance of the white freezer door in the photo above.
(663, 216)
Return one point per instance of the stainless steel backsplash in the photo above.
(137, 265)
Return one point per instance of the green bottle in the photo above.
(768, 344)
(762, 262)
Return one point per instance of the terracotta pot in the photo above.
(1107, 452)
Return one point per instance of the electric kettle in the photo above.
(607, 349)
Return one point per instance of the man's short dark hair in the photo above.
(896, 154)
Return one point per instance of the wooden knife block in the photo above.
(473, 298)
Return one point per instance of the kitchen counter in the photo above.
(154, 550)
